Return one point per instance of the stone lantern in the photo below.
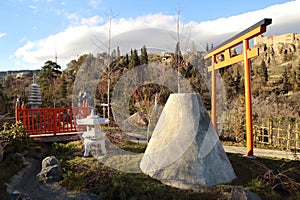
(93, 135)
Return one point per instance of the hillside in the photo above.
(275, 78)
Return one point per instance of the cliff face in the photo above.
(278, 49)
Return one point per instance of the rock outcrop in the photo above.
(51, 170)
(277, 49)
(184, 150)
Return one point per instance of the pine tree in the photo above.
(63, 87)
(144, 55)
(296, 78)
(286, 80)
(4, 107)
(46, 78)
(126, 59)
(177, 51)
(207, 48)
(177, 57)
(134, 59)
(262, 73)
(237, 82)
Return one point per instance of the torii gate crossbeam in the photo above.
(247, 53)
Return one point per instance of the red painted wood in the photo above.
(51, 120)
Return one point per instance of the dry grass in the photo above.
(269, 178)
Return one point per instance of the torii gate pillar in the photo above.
(224, 49)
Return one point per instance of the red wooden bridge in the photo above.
(51, 121)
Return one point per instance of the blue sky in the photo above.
(31, 31)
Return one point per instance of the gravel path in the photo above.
(264, 152)
(26, 183)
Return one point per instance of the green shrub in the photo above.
(15, 137)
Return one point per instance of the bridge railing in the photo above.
(51, 121)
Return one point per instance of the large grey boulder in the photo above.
(51, 170)
(184, 150)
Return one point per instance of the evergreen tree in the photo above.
(207, 48)
(262, 73)
(144, 55)
(177, 57)
(126, 59)
(286, 80)
(237, 82)
(4, 107)
(134, 59)
(63, 87)
(177, 51)
(296, 78)
(46, 78)
(233, 82)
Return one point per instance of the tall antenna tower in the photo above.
(111, 16)
(178, 23)
(178, 45)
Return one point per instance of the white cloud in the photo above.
(93, 21)
(285, 19)
(79, 38)
(2, 35)
(33, 8)
(73, 18)
(95, 3)
(73, 41)
(147, 21)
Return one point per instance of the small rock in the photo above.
(242, 194)
(51, 171)
(50, 161)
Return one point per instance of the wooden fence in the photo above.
(275, 131)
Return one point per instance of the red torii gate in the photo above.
(224, 49)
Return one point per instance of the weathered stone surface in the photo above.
(51, 170)
(49, 161)
(135, 122)
(242, 194)
(184, 150)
